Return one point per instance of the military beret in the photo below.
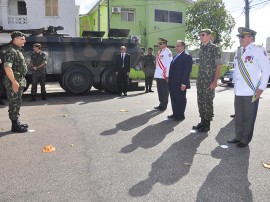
(37, 45)
(162, 40)
(208, 31)
(246, 31)
(16, 34)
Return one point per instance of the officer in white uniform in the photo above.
(251, 74)
(163, 61)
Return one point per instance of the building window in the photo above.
(51, 7)
(128, 15)
(22, 8)
(168, 16)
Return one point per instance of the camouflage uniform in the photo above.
(38, 75)
(149, 70)
(2, 71)
(210, 57)
(15, 60)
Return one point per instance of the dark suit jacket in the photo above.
(119, 63)
(180, 70)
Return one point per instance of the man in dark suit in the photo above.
(122, 70)
(179, 82)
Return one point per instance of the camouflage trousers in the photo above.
(205, 97)
(149, 81)
(15, 101)
(41, 78)
(2, 88)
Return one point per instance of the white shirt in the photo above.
(258, 66)
(165, 57)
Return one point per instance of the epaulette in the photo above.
(258, 45)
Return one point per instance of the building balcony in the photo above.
(17, 20)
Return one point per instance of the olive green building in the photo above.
(147, 20)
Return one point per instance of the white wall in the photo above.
(36, 15)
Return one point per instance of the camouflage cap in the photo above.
(246, 31)
(37, 45)
(208, 31)
(162, 40)
(16, 34)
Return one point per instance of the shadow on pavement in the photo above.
(131, 123)
(228, 181)
(150, 136)
(174, 164)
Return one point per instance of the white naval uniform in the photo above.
(165, 56)
(257, 64)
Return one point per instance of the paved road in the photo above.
(104, 155)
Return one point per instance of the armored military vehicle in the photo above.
(82, 62)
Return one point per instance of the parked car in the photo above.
(227, 77)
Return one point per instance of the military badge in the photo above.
(170, 55)
(161, 56)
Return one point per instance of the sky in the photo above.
(259, 17)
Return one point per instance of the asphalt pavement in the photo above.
(119, 149)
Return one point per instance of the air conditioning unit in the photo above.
(136, 38)
(116, 9)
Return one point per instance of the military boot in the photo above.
(205, 127)
(17, 128)
(199, 125)
(25, 125)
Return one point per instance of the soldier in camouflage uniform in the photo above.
(209, 69)
(16, 69)
(38, 63)
(2, 87)
(149, 66)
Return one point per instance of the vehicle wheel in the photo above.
(109, 81)
(77, 80)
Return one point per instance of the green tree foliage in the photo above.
(209, 14)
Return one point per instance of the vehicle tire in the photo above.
(77, 80)
(109, 81)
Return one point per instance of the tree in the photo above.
(209, 14)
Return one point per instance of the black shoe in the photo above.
(125, 94)
(162, 109)
(158, 107)
(146, 91)
(44, 98)
(120, 94)
(241, 145)
(23, 125)
(179, 119)
(199, 125)
(151, 91)
(232, 116)
(205, 126)
(233, 141)
(170, 116)
(18, 128)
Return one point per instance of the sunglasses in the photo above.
(243, 36)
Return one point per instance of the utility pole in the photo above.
(247, 12)
(109, 23)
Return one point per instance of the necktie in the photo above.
(244, 49)
(122, 57)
